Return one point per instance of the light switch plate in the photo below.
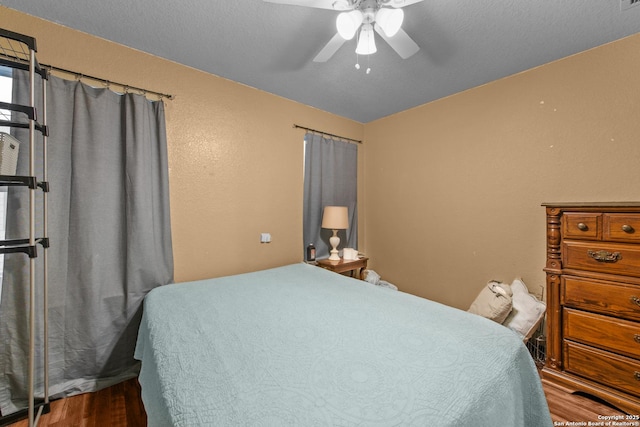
(265, 237)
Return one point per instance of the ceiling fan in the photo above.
(385, 17)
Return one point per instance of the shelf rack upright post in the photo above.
(17, 51)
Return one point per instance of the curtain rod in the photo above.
(326, 133)
(108, 82)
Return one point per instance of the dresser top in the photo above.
(593, 205)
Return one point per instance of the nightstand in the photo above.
(342, 265)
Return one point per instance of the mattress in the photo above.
(301, 346)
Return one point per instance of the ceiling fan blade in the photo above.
(403, 3)
(319, 4)
(401, 42)
(329, 49)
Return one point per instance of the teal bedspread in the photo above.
(301, 346)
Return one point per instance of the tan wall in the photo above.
(236, 163)
(454, 187)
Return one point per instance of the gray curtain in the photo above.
(110, 235)
(330, 179)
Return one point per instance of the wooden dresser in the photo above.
(593, 300)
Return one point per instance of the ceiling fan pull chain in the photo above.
(357, 56)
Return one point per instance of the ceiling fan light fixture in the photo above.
(367, 42)
(390, 20)
(348, 23)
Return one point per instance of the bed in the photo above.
(301, 346)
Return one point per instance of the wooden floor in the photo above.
(565, 407)
(121, 406)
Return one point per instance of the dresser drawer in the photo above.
(602, 297)
(621, 227)
(582, 225)
(608, 333)
(615, 258)
(606, 368)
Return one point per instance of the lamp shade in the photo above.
(390, 20)
(335, 217)
(348, 23)
(367, 43)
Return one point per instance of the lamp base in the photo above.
(334, 241)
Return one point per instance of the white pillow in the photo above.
(493, 302)
(527, 310)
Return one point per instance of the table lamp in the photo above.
(335, 218)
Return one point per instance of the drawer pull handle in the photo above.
(604, 256)
(628, 229)
(637, 375)
(636, 338)
(636, 301)
(582, 226)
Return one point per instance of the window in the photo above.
(5, 96)
(330, 179)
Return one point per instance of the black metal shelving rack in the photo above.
(17, 51)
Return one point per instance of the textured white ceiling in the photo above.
(271, 46)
